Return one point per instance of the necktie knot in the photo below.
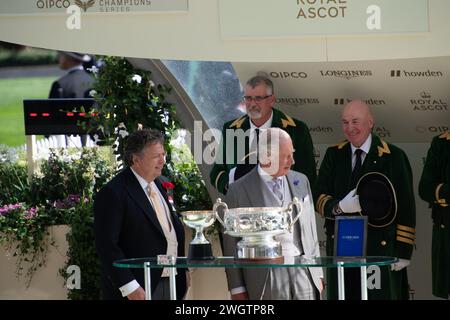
(358, 152)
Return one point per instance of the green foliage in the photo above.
(13, 182)
(190, 191)
(82, 253)
(26, 226)
(27, 57)
(127, 99)
(77, 173)
(60, 194)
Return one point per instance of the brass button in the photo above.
(332, 237)
(442, 226)
(383, 243)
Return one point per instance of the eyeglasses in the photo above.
(256, 99)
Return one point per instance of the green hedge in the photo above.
(27, 57)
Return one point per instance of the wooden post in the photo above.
(31, 154)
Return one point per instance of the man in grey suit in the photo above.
(273, 184)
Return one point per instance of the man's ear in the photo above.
(135, 159)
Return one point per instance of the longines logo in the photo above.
(382, 132)
(346, 74)
(297, 101)
(428, 103)
(432, 129)
(416, 74)
(321, 9)
(288, 74)
(370, 102)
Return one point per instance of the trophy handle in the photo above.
(220, 203)
(290, 210)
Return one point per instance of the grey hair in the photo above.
(260, 79)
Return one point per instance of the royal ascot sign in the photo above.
(35, 7)
(291, 18)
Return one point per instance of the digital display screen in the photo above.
(350, 236)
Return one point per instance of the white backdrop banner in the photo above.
(287, 18)
(409, 97)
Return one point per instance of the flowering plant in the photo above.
(20, 225)
(169, 186)
(127, 99)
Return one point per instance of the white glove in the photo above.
(402, 263)
(350, 203)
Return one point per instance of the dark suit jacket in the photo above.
(126, 226)
(74, 84)
(395, 239)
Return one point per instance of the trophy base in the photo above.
(263, 260)
(270, 250)
(200, 251)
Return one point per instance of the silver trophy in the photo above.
(258, 227)
(200, 247)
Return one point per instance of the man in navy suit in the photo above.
(134, 219)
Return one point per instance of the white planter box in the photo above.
(46, 283)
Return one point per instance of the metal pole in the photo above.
(363, 283)
(341, 283)
(148, 281)
(173, 285)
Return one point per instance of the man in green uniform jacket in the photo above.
(434, 188)
(335, 195)
(259, 100)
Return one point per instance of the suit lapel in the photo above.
(372, 161)
(138, 195)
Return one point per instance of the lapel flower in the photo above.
(168, 186)
(296, 182)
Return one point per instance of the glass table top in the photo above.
(231, 262)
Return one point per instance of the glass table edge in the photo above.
(231, 262)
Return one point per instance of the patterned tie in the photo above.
(159, 210)
(356, 173)
(277, 188)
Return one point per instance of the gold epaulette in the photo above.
(383, 149)
(320, 204)
(288, 121)
(238, 122)
(341, 144)
(406, 234)
(445, 135)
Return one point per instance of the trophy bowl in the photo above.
(257, 227)
(199, 247)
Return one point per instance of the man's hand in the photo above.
(188, 279)
(350, 203)
(138, 294)
(402, 263)
(240, 296)
(322, 285)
